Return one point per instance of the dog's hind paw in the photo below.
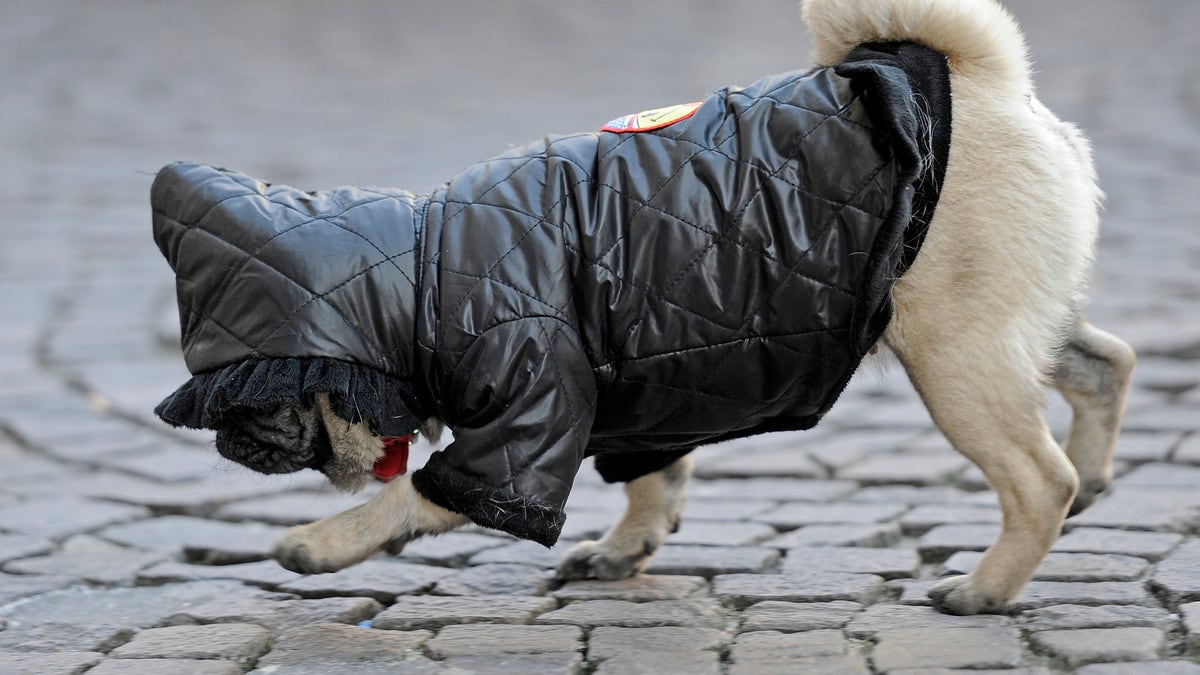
(956, 595)
(594, 560)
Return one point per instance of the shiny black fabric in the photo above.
(602, 292)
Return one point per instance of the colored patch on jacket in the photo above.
(649, 120)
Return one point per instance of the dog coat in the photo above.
(686, 275)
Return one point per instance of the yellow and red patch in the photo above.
(649, 120)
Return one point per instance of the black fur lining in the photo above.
(228, 396)
(488, 505)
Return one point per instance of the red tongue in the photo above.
(395, 458)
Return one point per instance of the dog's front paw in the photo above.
(957, 595)
(594, 560)
(312, 549)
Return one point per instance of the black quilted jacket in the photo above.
(642, 291)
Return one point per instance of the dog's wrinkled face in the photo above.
(290, 439)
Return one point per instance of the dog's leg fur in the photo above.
(1093, 375)
(655, 507)
(396, 515)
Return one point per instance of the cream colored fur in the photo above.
(984, 319)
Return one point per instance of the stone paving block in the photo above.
(1146, 447)
(1098, 645)
(1188, 451)
(278, 611)
(521, 553)
(497, 579)
(1046, 593)
(906, 468)
(587, 524)
(337, 648)
(782, 489)
(879, 535)
(946, 540)
(782, 462)
(775, 646)
(1178, 575)
(1065, 617)
(622, 613)
(239, 642)
(1149, 545)
(791, 617)
(912, 495)
(709, 561)
(14, 546)
(264, 573)
(379, 579)
(90, 559)
(451, 548)
(160, 666)
(432, 611)
(85, 619)
(971, 671)
(721, 533)
(483, 638)
(165, 464)
(1191, 624)
(889, 563)
(828, 665)
(928, 516)
(1064, 566)
(1165, 509)
(16, 586)
(291, 508)
(973, 648)
(60, 517)
(200, 540)
(913, 592)
(648, 663)
(640, 588)
(66, 663)
(1161, 474)
(1142, 668)
(746, 589)
(725, 509)
(1161, 417)
(882, 618)
(798, 514)
(510, 664)
(608, 642)
(837, 451)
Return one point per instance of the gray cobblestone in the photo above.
(704, 612)
(720, 533)
(497, 579)
(265, 573)
(793, 515)
(483, 638)
(928, 516)
(889, 563)
(278, 611)
(331, 648)
(1191, 624)
(14, 546)
(200, 540)
(791, 617)
(521, 553)
(1149, 545)
(1081, 647)
(66, 663)
(1045, 593)
(1064, 566)
(1189, 450)
(1142, 668)
(908, 468)
(160, 666)
(1064, 617)
(775, 646)
(884, 534)
(882, 618)
(379, 579)
(1178, 575)
(241, 643)
(709, 561)
(513, 664)
(450, 548)
(611, 642)
(943, 541)
(431, 611)
(59, 517)
(290, 508)
(637, 589)
(746, 589)
(972, 648)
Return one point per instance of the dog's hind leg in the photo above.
(655, 506)
(989, 409)
(1093, 374)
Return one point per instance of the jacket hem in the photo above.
(224, 397)
(487, 505)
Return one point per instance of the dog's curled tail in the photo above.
(978, 37)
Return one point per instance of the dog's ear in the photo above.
(285, 440)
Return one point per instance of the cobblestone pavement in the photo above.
(126, 547)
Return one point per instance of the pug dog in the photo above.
(685, 275)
